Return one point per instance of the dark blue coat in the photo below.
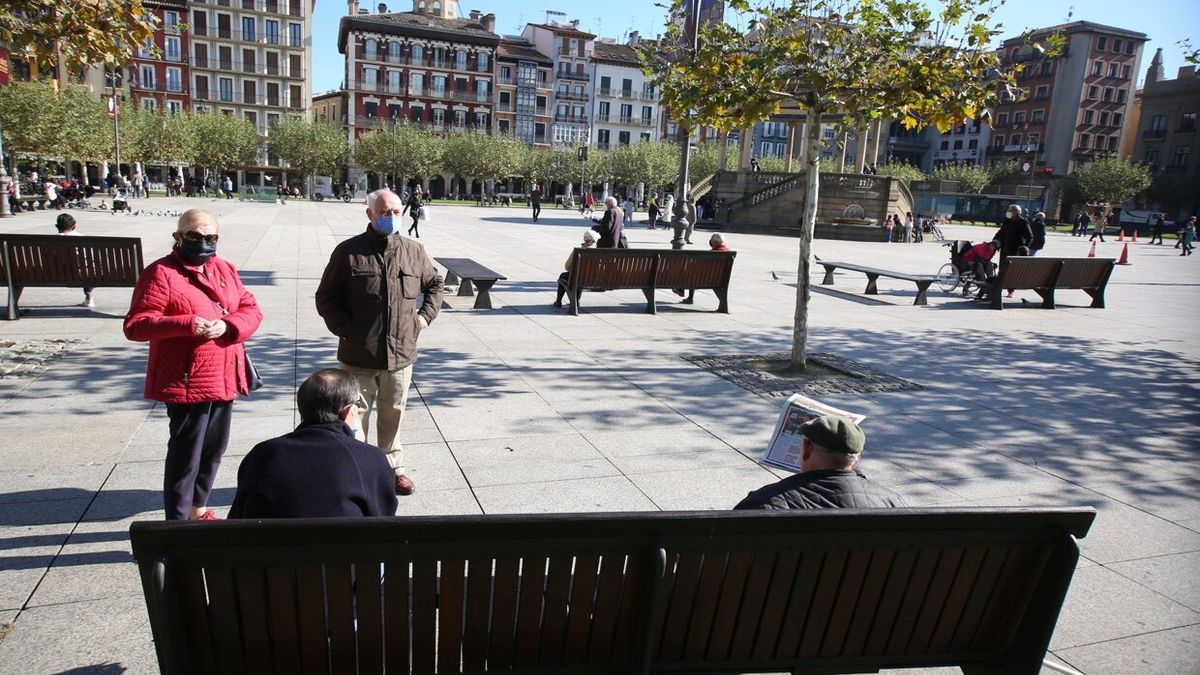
(317, 471)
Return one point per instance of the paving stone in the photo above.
(62, 482)
(614, 493)
(123, 644)
(1167, 652)
(1171, 575)
(702, 489)
(1103, 605)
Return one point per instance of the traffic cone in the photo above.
(1134, 236)
(1124, 260)
(1121, 234)
(1092, 253)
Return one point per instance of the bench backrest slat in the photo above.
(584, 594)
(51, 260)
(646, 268)
(1027, 272)
(1086, 273)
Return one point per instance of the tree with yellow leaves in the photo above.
(923, 63)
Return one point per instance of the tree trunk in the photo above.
(812, 181)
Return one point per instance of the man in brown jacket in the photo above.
(368, 298)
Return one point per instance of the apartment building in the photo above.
(625, 105)
(571, 51)
(425, 67)
(1168, 137)
(1078, 100)
(160, 70)
(965, 143)
(524, 87)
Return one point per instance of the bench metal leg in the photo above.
(723, 300)
(451, 278)
(828, 280)
(1047, 297)
(484, 301)
(651, 308)
(871, 288)
(14, 298)
(573, 298)
(464, 288)
(1097, 297)
(996, 297)
(922, 293)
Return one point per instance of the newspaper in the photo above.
(787, 442)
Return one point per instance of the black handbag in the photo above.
(254, 381)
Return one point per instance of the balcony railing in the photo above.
(257, 37)
(1154, 133)
(571, 96)
(426, 62)
(565, 75)
(574, 119)
(602, 145)
(603, 117)
(229, 65)
(285, 7)
(439, 127)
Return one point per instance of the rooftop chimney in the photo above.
(1155, 72)
(352, 7)
(475, 14)
(634, 37)
(1186, 72)
(382, 8)
(489, 22)
(575, 24)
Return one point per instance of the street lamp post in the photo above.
(5, 180)
(683, 187)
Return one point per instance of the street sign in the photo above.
(582, 154)
(113, 110)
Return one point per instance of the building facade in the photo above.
(1078, 100)
(966, 143)
(424, 67)
(1168, 138)
(330, 108)
(571, 51)
(160, 70)
(252, 59)
(625, 106)
(524, 87)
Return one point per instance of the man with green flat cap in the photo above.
(828, 477)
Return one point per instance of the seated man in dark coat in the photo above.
(828, 477)
(319, 470)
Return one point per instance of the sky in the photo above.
(1164, 21)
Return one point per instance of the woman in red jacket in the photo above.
(193, 310)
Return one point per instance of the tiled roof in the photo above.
(412, 23)
(1078, 27)
(566, 30)
(615, 53)
(513, 49)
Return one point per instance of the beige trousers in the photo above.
(386, 392)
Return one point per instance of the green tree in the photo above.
(706, 157)
(29, 112)
(404, 151)
(1000, 170)
(902, 170)
(81, 119)
(772, 164)
(970, 177)
(481, 156)
(308, 148)
(220, 142)
(921, 63)
(1111, 181)
(653, 164)
(82, 32)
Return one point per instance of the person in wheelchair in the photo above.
(977, 260)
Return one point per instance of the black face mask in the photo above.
(197, 252)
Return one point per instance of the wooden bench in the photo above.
(465, 272)
(52, 260)
(603, 269)
(922, 281)
(1046, 275)
(32, 202)
(823, 591)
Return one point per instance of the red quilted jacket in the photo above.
(185, 368)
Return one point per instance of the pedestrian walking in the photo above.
(668, 210)
(535, 200)
(414, 207)
(1156, 229)
(908, 227)
(1188, 235)
(611, 226)
(888, 224)
(652, 212)
(227, 187)
(1082, 221)
(1014, 233)
(194, 311)
(1098, 223)
(628, 208)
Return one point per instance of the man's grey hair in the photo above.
(1015, 207)
(610, 202)
(590, 238)
(190, 216)
(377, 196)
(717, 237)
(321, 398)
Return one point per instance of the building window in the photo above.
(945, 145)
(1151, 156)
(1102, 43)
(1099, 141)
(958, 145)
(1112, 143)
(146, 77)
(481, 62)
(171, 20)
(1117, 45)
(1104, 119)
(393, 51)
(622, 138)
(1037, 116)
(1085, 140)
(1093, 93)
(1116, 119)
(171, 52)
(1120, 96)
(146, 50)
(149, 104)
(1158, 123)
(645, 137)
(1002, 120)
(371, 109)
(1130, 46)
(460, 60)
(1125, 71)
(1041, 92)
(416, 83)
(225, 88)
(1114, 69)
(1016, 139)
(174, 80)
(295, 31)
(201, 90)
(1097, 68)
(271, 30)
(249, 29)
(371, 49)
(174, 107)
(296, 96)
(1108, 94)
(252, 118)
(973, 144)
(394, 84)
(1181, 156)
(1047, 67)
(249, 92)
(1187, 122)
(1019, 117)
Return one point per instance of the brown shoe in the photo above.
(404, 485)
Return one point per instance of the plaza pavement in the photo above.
(528, 409)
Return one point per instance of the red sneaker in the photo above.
(209, 515)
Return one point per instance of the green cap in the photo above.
(835, 434)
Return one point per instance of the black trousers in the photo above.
(199, 436)
(537, 210)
